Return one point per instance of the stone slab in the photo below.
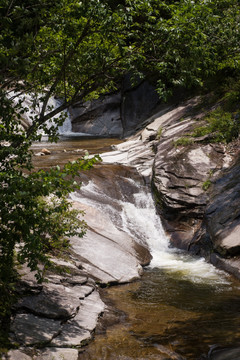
(16, 355)
(29, 329)
(57, 354)
(71, 335)
(55, 301)
(89, 311)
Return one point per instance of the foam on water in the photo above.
(140, 220)
(141, 217)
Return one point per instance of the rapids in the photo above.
(182, 307)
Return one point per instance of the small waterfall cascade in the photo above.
(139, 219)
(141, 216)
(53, 103)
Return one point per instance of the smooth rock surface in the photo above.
(57, 354)
(118, 114)
(29, 329)
(54, 301)
(136, 153)
(225, 354)
(100, 117)
(114, 263)
(16, 355)
(137, 104)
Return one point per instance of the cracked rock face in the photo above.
(223, 220)
(197, 191)
(223, 212)
(29, 329)
(182, 174)
(62, 314)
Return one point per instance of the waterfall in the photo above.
(53, 103)
(139, 219)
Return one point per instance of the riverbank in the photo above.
(116, 247)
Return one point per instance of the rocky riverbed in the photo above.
(53, 320)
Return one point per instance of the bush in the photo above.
(224, 125)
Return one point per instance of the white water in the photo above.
(141, 215)
(32, 111)
(139, 219)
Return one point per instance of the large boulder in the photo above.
(118, 114)
(223, 220)
(137, 105)
(182, 172)
(100, 117)
(196, 187)
(223, 213)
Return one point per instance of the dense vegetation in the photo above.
(79, 50)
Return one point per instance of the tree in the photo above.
(79, 50)
(184, 44)
(70, 49)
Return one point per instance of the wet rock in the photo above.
(101, 224)
(136, 153)
(43, 152)
(46, 151)
(170, 354)
(182, 174)
(231, 265)
(108, 254)
(106, 260)
(224, 353)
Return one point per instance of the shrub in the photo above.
(224, 125)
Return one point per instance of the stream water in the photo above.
(182, 307)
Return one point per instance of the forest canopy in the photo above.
(81, 49)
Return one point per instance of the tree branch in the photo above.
(43, 118)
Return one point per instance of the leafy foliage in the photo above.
(206, 184)
(224, 125)
(187, 42)
(80, 50)
(36, 217)
(183, 141)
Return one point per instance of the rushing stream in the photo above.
(182, 307)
